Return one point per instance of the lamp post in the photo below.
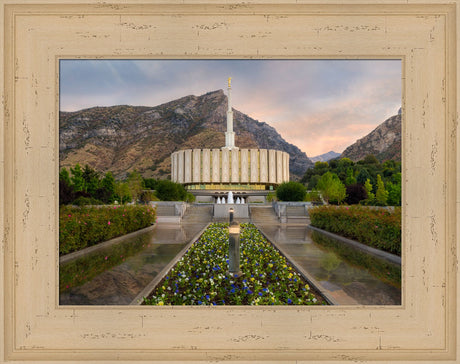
(230, 212)
(234, 247)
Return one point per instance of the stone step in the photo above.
(198, 214)
(295, 211)
(165, 210)
(264, 215)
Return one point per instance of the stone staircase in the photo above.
(163, 210)
(197, 214)
(296, 215)
(263, 215)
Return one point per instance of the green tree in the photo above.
(135, 184)
(78, 183)
(345, 163)
(313, 182)
(66, 192)
(381, 195)
(318, 170)
(291, 191)
(106, 193)
(370, 196)
(363, 175)
(370, 159)
(64, 176)
(331, 188)
(394, 190)
(122, 191)
(350, 179)
(91, 180)
(170, 191)
(150, 183)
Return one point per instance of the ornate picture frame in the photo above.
(37, 36)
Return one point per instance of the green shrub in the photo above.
(314, 197)
(82, 201)
(170, 191)
(291, 191)
(87, 226)
(378, 228)
(271, 197)
(190, 197)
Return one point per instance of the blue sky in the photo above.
(317, 105)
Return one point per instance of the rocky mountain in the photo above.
(123, 138)
(325, 157)
(384, 142)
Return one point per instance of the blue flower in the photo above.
(260, 294)
(207, 297)
(289, 300)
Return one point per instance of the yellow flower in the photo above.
(270, 265)
(160, 303)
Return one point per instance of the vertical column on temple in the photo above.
(229, 134)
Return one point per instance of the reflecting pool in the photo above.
(350, 276)
(116, 274)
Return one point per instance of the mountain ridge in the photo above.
(325, 157)
(123, 138)
(384, 142)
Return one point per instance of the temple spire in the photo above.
(229, 134)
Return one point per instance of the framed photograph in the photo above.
(37, 37)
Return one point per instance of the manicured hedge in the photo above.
(80, 227)
(379, 228)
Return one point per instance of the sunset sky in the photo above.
(317, 105)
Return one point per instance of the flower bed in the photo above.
(200, 276)
(87, 226)
(379, 228)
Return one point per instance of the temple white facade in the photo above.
(230, 167)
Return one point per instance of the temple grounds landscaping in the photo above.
(200, 276)
(378, 228)
(81, 227)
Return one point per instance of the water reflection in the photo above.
(116, 274)
(350, 276)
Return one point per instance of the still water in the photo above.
(117, 274)
(351, 277)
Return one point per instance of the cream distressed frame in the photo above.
(37, 35)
